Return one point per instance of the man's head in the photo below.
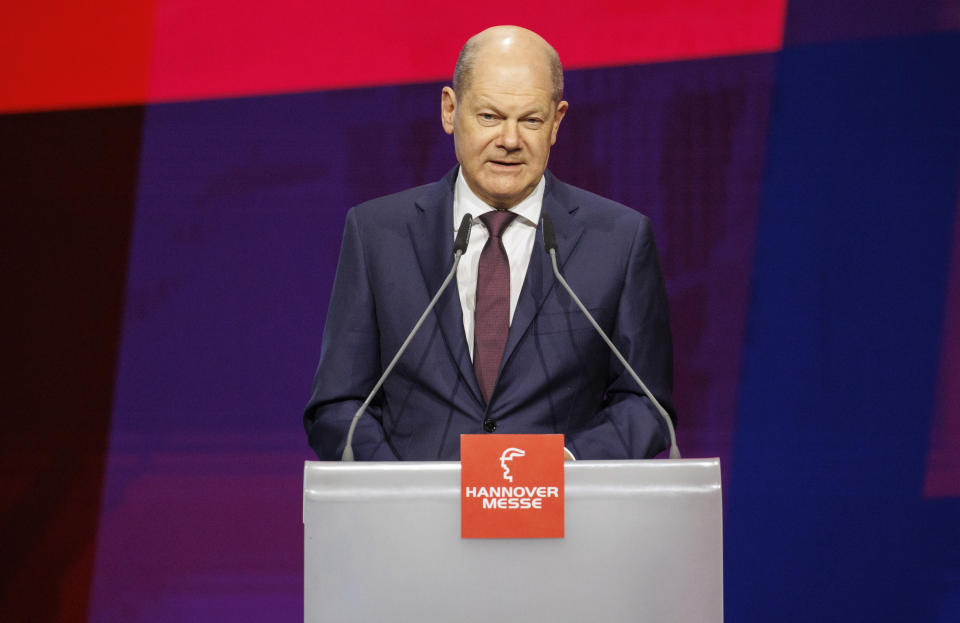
(504, 111)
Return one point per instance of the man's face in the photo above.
(503, 126)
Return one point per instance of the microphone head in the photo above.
(549, 235)
(463, 234)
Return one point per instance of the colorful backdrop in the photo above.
(175, 177)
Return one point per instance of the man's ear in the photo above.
(448, 109)
(557, 118)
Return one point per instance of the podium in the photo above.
(643, 543)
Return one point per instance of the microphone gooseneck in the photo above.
(550, 244)
(459, 248)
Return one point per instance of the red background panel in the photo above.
(66, 57)
(59, 54)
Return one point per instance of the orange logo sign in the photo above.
(511, 486)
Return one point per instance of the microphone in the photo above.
(462, 239)
(459, 248)
(550, 244)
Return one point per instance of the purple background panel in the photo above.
(684, 143)
(240, 210)
(200, 528)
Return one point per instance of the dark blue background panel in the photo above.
(826, 519)
(943, 460)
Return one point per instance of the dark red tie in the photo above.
(492, 315)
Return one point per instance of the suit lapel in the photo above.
(431, 233)
(540, 280)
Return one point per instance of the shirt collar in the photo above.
(465, 201)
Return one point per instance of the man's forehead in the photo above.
(511, 74)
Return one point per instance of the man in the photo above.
(506, 349)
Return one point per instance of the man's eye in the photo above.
(486, 116)
(533, 121)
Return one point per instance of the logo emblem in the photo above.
(500, 501)
(508, 455)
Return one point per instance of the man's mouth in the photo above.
(506, 163)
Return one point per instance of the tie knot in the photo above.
(497, 221)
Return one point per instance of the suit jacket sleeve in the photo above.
(349, 362)
(627, 424)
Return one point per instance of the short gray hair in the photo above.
(468, 60)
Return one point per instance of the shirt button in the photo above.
(489, 425)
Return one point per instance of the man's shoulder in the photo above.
(596, 207)
(406, 196)
(395, 205)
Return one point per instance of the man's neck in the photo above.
(467, 201)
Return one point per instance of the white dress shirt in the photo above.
(518, 239)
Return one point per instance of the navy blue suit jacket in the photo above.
(557, 376)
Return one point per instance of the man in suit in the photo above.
(506, 350)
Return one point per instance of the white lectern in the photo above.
(643, 543)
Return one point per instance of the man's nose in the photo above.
(509, 136)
